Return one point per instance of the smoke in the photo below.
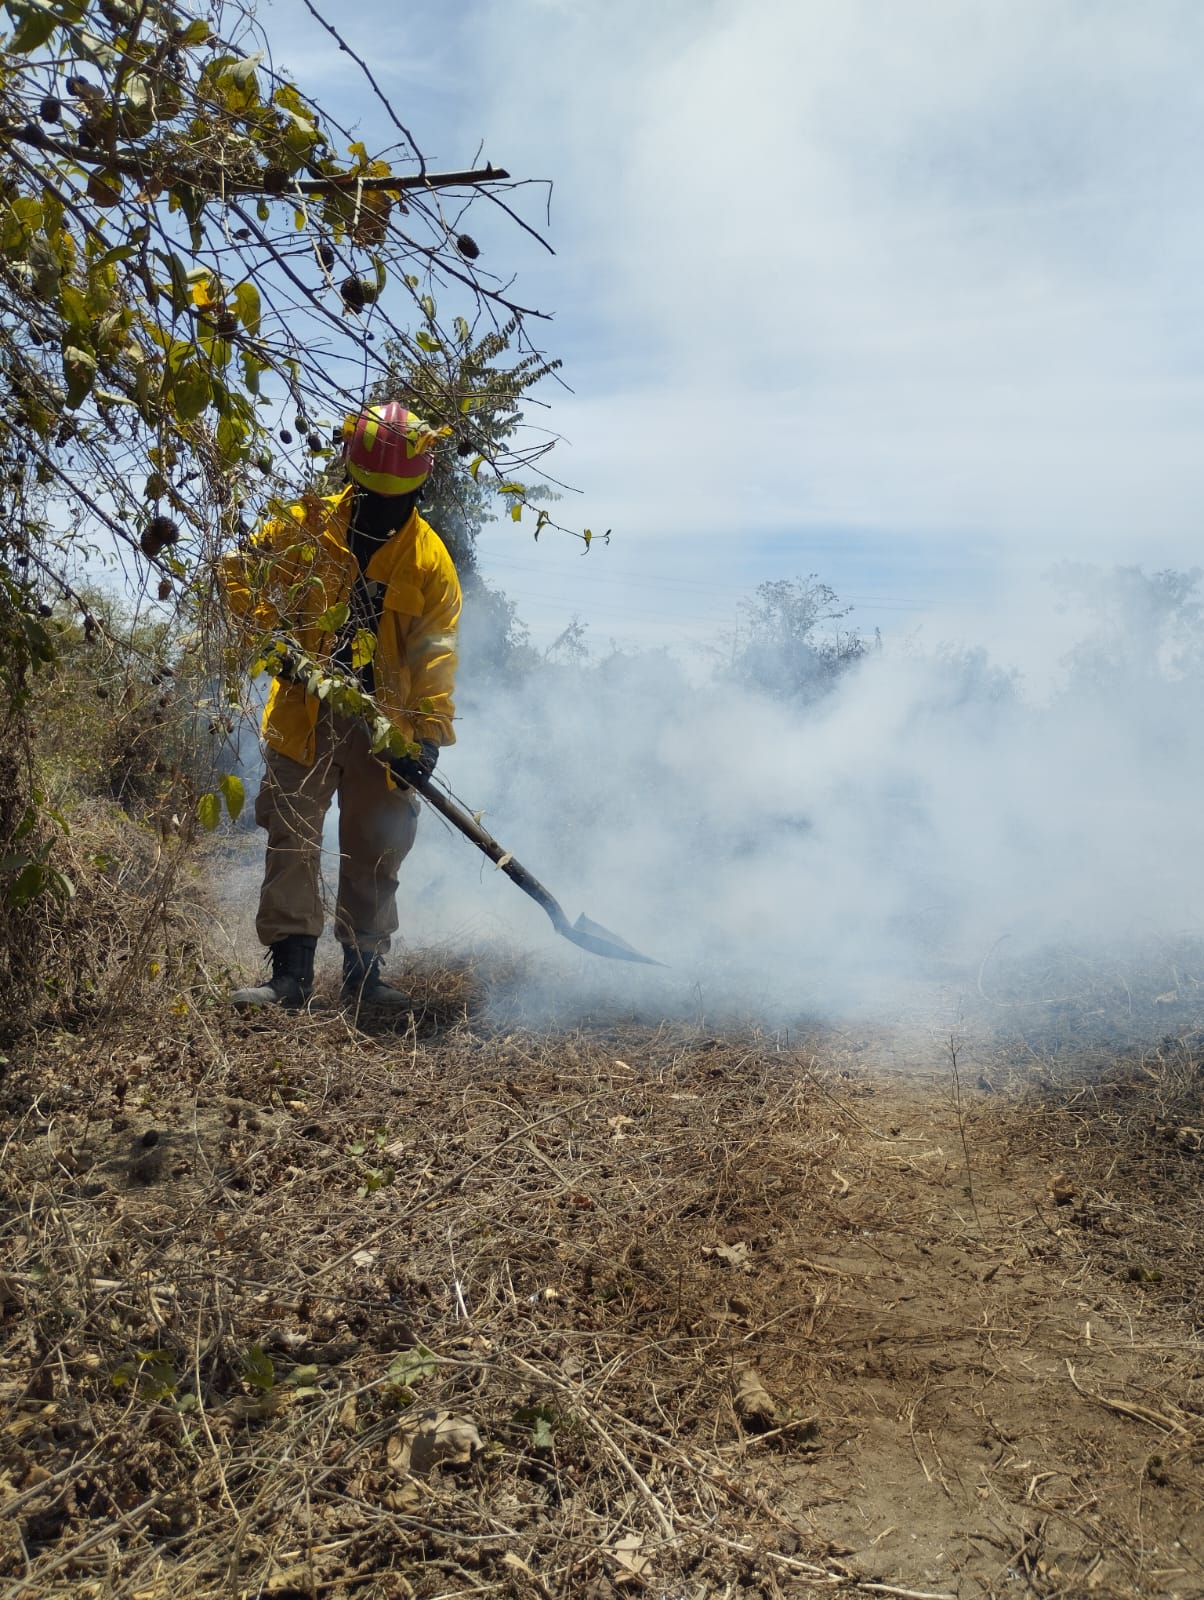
(786, 859)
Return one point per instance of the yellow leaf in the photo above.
(516, 512)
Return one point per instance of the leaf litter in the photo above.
(247, 1372)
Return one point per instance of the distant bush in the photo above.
(788, 642)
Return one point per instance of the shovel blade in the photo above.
(592, 936)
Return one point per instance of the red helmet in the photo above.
(387, 449)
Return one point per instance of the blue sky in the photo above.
(907, 295)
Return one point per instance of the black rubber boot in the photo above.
(292, 980)
(363, 985)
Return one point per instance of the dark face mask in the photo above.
(375, 516)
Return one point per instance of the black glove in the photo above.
(410, 768)
(287, 652)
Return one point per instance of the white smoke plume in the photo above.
(786, 861)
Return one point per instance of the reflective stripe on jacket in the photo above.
(298, 566)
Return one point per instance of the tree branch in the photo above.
(344, 183)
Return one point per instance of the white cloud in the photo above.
(923, 266)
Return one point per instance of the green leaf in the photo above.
(79, 369)
(542, 1421)
(195, 33)
(246, 303)
(363, 648)
(411, 1366)
(376, 1178)
(152, 1374)
(424, 341)
(34, 30)
(426, 706)
(191, 391)
(258, 1368)
(181, 291)
(28, 884)
(334, 618)
(232, 793)
(209, 811)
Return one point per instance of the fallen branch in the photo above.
(838, 1580)
(1126, 1408)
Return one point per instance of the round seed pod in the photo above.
(159, 533)
(467, 246)
(357, 293)
(50, 109)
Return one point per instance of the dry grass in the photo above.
(132, 935)
(721, 1316)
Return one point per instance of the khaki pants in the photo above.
(377, 825)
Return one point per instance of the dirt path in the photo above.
(1004, 1357)
(291, 1309)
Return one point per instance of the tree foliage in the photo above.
(462, 370)
(177, 228)
(783, 646)
(201, 272)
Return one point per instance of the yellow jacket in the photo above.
(298, 566)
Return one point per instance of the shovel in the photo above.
(591, 936)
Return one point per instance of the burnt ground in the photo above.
(293, 1308)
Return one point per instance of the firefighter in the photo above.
(360, 581)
